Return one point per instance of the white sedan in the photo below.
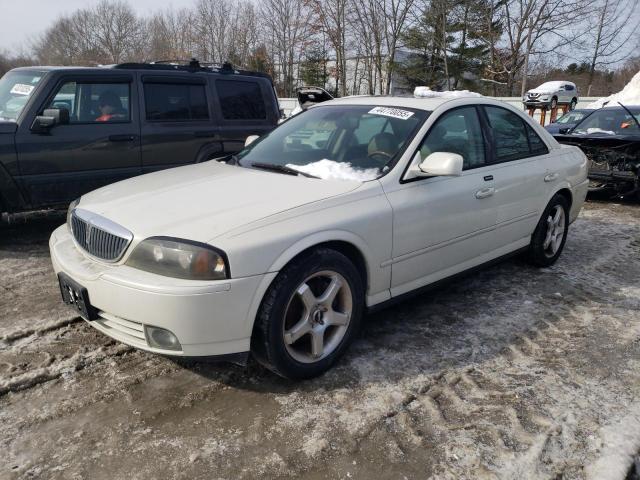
(281, 249)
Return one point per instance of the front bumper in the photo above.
(208, 318)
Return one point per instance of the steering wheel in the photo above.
(388, 156)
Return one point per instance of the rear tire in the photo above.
(572, 105)
(550, 235)
(554, 103)
(309, 315)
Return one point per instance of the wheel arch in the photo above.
(566, 193)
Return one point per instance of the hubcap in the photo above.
(555, 231)
(317, 316)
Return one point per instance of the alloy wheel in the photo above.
(555, 231)
(317, 316)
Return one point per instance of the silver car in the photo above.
(552, 94)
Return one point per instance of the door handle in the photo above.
(122, 138)
(485, 192)
(550, 177)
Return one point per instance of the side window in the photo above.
(568, 88)
(240, 100)
(457, 131)
(175, 102)
(509, 133)
(94, 102)
(536, 145)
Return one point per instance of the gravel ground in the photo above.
(512, 372)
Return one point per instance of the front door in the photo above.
(442, 225)
(99, 145)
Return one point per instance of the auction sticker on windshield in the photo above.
(392, 112)
(21, 89)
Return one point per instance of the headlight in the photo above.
(178, 258)
(72, 205)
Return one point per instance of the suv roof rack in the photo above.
(193, 65)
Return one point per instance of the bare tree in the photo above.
(332, 18)
(117, 31)
(285, 24)
(613, 35)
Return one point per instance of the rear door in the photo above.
(100, 145)
(178, 125)
(521, 163)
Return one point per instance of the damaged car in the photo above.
(610, 138)
(279, 250)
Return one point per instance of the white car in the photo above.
(551, 94)
(256, 254)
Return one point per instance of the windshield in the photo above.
(15, 90)
(610, 121)
(571, 117)
(338, 141)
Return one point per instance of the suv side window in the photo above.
(94, 102)
(175, 102)
(240, 100)
(457, 131)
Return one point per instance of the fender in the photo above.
(373, 297)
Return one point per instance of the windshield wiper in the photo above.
(281, 169)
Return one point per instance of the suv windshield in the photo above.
(15, 90)
(610, 121)
(338, 141)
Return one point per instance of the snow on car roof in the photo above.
(554, 84)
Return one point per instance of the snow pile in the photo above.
(629, 95)
(332, 170)
(426, 92)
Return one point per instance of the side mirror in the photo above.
(564, 130)
(250, 139)
(438, 164)
(50, 118)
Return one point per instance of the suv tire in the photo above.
(554, 103)
(550, 235)
(572, 105)
(309, 315)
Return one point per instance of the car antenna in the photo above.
(629, 112)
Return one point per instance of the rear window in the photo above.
(175, 102)
(240, 100)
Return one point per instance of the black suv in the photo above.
(67, 130)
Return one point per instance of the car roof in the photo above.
(426, 104)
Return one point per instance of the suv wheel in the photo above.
(572, 105)
(554, 103)
(309, 315)
(550, 235)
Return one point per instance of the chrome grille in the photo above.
(99, 236)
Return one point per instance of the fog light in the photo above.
(161, 338)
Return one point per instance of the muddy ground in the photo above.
(512, 372)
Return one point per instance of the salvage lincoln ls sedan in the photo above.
(280, 249)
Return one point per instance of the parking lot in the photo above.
(512, 372)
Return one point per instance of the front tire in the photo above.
(554, 103)
(550, 235)
(309, 315)
(572, 105)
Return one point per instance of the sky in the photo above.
(23, 20)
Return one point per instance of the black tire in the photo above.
(267, 342)
(572, 105)
(538, 254)
(553, 103)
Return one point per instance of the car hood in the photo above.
(541, 91)
(200, 202)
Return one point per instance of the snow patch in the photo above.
(332, 170)
(621, 442)
(426, 92)
(599, 130)
(629, 95)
